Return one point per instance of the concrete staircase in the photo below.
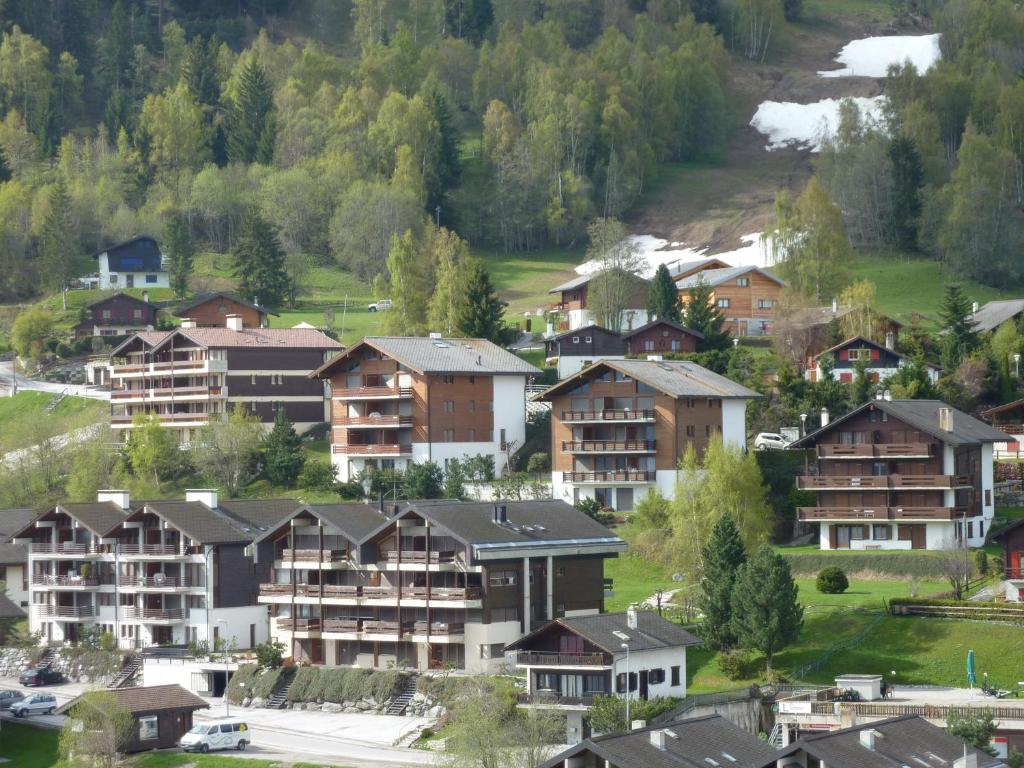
(48, 659)
(279, 696)
(400, 703)
(126, 677)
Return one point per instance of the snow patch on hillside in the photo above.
(787, 124)
(656, 251)
(871, 56)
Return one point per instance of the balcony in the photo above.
(883, 482)
(380, 593)
(396, 628)
(608, 446)
(167, 420)
(925, 482)
(157, 583)
(642, 415)
(439, 628)
(372, 393)
(326, 591)
(341, 625)
(555, 699)
(442, 593)
(65, 548)
(292, 624)
(875, 450)
(135, 370)
(68, 582)
(373, 422)
(831, 482)
(66, 612)
(314, 555)
(611, 476)
(372, 449)
(856, 514)
(537, 659)
(167, 394)
(153, 615)
(417, 557)
(151, 550)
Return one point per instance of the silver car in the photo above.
(770, 441)
(9, 697)
(35, 704)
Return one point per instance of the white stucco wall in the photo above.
(987, 481)
(734, 422)
(661, 658)
(477, 635)
(15, 580)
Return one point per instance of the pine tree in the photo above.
(703, 315)
(252, 127)
(663, 301)
(448, 165)
(5, 169)
(284, 458)
(907, 180)
(723, 555)
(468, 19)
(57, 243)
(199, 70)
(766, 614)
(258, 261)
(956, 317)
(482, 314)
(180, 252)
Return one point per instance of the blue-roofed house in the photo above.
(135, 263)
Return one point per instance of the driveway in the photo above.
(7, 376)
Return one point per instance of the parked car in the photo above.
(35, 704)
(770, 441)
(40, 677)
(9, 697)
(221, 734)
(380, 305)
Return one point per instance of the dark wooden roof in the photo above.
(140, 254)
(203, 298)
(149, 699)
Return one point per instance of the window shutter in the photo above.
(876, 354)
(844, 354)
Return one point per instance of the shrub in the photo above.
(305, 678)
(64, 351)
(734, 663)
(318, 476)
(270, 655)
(263, 685)
(832, 580)
(981, 561)
(386, 685)
(246, 674)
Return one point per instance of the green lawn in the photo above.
(863, 593)
(635, 580)
(23, 746)
(24, 420)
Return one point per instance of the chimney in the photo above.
(867, 738)
(121, 498)
(436, 336)
(655, 358)
(479, 360)
(969, 760)
(188, 322)
(145, 296)
(890, 340)
(395, 509)
(631, 616)
(207, 496)
(835, 306)
(234, 322)
(974, 308)
(847, 715)
(500, 514)
(658, 740)
(946, 419)
(824, 416)
(381, 502)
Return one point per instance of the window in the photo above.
(881, 532)
(594, 684)
(970, 529)
(447, 379)
(449, 436)
(560, 571)
(472, 435)
(765, 303)
(472, 406)
(448, 406)
(675, 345)
(743, 282)
(252, 379)
(988, 497)
(707, 430)
(149, 728)
(656, 676)
(504, 614)
(137, 314)
(151, 278)
(113, 279)
(589, 339)
(547, 681)
(503, 443)
(858, 532)
(106, 314)
(723, 303)
(502, 579)
(691, 430)
(472, 379)
(675, 676)
(575, 339)
(620, 682)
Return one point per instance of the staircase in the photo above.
(775, 737)
(56, 400)
(399, 704)
(126, 677)
(47, 659)
(280, 695)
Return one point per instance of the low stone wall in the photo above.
(419, 706)
(13, 661)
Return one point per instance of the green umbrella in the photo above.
(971, 679)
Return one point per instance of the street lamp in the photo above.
(803, 424)
(227, 704)
(1016, 365)
(625, 644)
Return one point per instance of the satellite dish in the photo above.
(677, 577)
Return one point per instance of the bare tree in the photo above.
(954, 563)
(96, 731)
(616, 282)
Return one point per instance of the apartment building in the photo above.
(746, 297)
(396, 400)
(901, 474)
(14, 557)
(151, 573)
(619, 427)
(191, 375)
(429, 584)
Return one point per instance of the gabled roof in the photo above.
(258, 338)
(583, 330)
(1005, 407)
(10, 609)
(140, 254)
(652, 632)
(698, 742)
(433, 355)
(11, 522)
(98, 516)
(667, 323)
(678, 378)
(899, 741)
(922, 415)
(203, 298)
(147, 699)
(814, 316)
(355, 521)
(683, 269)
(148, 339)
(715, 277)
(862, 341)
(258, 514)
(127, 296)
(197, 521)
(575, 282)
(995, 313)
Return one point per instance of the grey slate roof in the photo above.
(902, 741)
(356, 521)
(260, 338)
(995, 313)
(662, 321)
(922, 415)
(582, 330)
(865, 342)
(693, 743)
(652, 632)
(259, 514)
(200, 523)
(98, 516)
(426, 355)
(11, 522)
(681, 267)
(575, 282)
(715, 277)
(678, 378)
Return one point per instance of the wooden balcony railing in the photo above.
(43, 580)
(314, 555)
(66, 611)
(442, 593)
(382, 421)
(642, 414)
(63, 548)
(929, 481)
(438, 628)
(810, 514)
(155, 550)
(611, 476)
(1014, 573)
(609, 446)
(341, 625)
(883, 482)
(870, 450)
(270, 590)
(168, 418)
(325, 591)
(372, 449)
(374, 627)
(292, 624)
(553, 698)
(925, 513)
(538, 659)
(928, 711)
(346, 591)
(810, 483)
(153, 614)
(380, 593)
(370, 393)
(417, 557)
(145, 394)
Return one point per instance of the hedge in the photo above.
(246, 673)
(898, 564)
(313, 684)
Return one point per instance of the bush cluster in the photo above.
(313, 684)
(735, 663)
(832, 580)
(918, 565)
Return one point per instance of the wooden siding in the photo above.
(660, 338)
(214, 312)
(743, 301)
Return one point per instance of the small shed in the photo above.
(867, 687)
(162, 714)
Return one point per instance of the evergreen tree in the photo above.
(424, 480)
(468, 19)
(448, 165)
(252, 125)
(703, 315)
(766, 614)
(180, 252)
(258, 261)
(956, 317)
(199, 70)
(663, 300)
(907, 180)
(723, 555)
(482, 313)
(57, 243)
(5, 169)
(284, 458)
(705, 11)
(115, 47)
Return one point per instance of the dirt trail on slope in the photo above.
(717, 205)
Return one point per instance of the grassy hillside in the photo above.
(24, 420)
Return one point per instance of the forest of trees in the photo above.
(513, 123)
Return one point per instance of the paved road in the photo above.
(7, 375)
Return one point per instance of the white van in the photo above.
(217, 734)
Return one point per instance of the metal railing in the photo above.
(371, 449)
(419, 557)
(540, 659)
(153, 614)
(63, 548)
(610, 476)
(438, 628)
(157, 550)
(929, 711)
(386, 420)
(66, 611)
(314, 555)
(611, 414)
(553, 698)
(41, 580)
(608, 446)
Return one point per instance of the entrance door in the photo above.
(842, 534)
(316, 651)
(1015, 558)
(129, 281)
(643, 685)
(914, 533)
